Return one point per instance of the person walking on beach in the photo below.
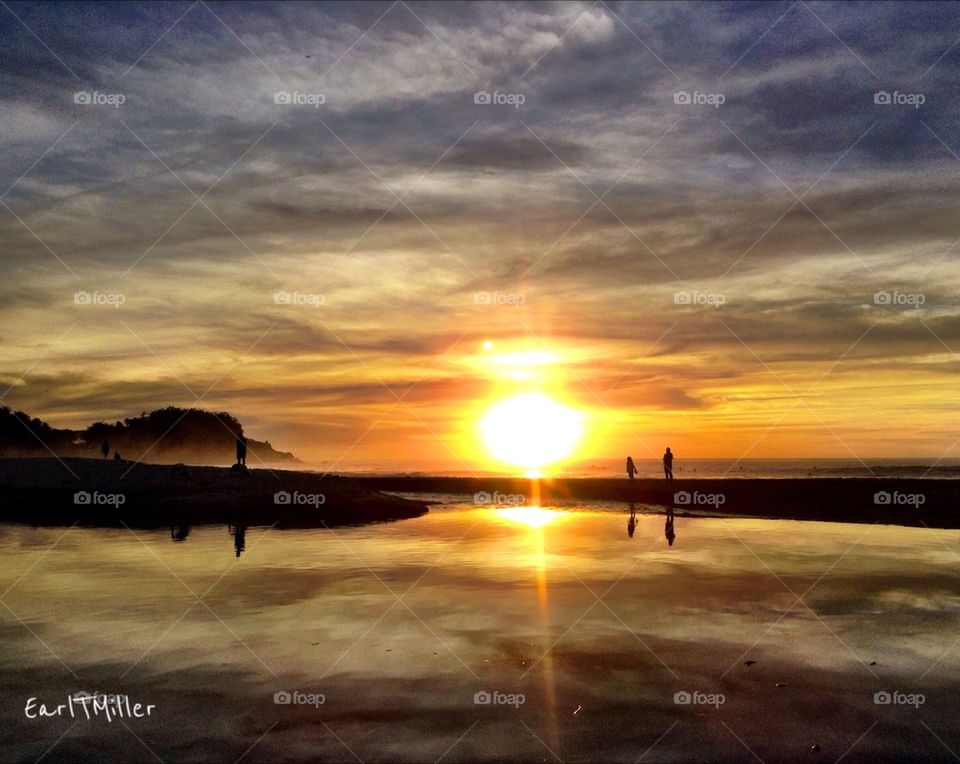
(631, 468)
(668, 464)
(241, 452)
(105, 449)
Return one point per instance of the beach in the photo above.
(479, 382)
(896, 501)
(42, 491)
(52, 491)
(745, 638)
(791, 619)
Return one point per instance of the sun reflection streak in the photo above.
(543, 600)
(532, 517)
(536, 518)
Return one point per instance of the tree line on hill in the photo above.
(165, 436)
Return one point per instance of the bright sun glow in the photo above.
(531, 430)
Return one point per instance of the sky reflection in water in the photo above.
(399, 624)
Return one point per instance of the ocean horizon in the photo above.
(686, 468)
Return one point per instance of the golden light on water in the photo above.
(534, 517)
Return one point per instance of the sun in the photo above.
(531, 430)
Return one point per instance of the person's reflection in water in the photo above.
(239, 533)
(668, 530)
(180, 533)
(632, 524)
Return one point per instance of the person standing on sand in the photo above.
(668, 464)
(241, 452)
(105, 449)
(631, 468)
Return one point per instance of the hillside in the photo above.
(164, 436)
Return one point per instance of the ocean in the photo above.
(683, 468)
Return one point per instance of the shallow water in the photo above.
(397, 626)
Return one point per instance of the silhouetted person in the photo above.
(239, 537)
(632, 524)
(668, 464)
(241, 452)
(668, 530)
(180, 533)
(105, 449)
(631, 468)
(116, 456)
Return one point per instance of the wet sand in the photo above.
(398, 626)
(44, 492)
(910, 501)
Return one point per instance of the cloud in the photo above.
(400, 198)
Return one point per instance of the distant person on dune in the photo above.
(242, 451)
(631, 468)
(668, 464)
(105, 449)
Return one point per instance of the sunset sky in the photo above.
(700, 274)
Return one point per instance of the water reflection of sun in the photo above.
(533, 517)
(536, 518)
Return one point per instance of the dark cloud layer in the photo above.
(404, 194)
